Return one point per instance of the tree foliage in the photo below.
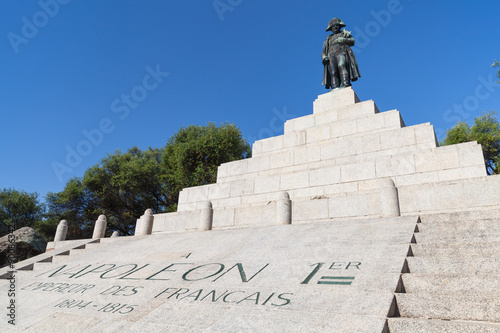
(123, 185)
(486, 131)
(74, 204)
(497, 64)
(192, 155)
(20, 209)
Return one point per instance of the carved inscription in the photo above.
(322, 273)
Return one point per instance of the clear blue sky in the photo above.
(68, 69)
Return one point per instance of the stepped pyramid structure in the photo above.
(348, 222)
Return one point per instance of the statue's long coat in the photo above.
(352, 64)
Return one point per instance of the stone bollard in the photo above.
(115, 234)
(100, 227)
(389, 200)
(284, 209)
(145, 223)
(62, 230)
(206, 216)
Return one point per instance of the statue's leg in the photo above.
(344, 72)
(334, 71)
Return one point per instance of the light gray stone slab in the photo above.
(306, 154)
(474, 224)
(485, 285)
(449, 307)
(395, 165)
(461, 215)
(343, 128)
(324, 176)
(414, 325)
(294, 180)
(310, 209)
(438, 159)
(462, 249)
(219, 191)
(335, 99)
(360, 171)
(452, 265)
(258, 163)
(458, 236)
(267, 184)
(223, 218)
(398, 138)
(241, 188)
(425, 133)
(349, 268)
(295, 139)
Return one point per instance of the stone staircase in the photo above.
(57, 253)
(451, 283)
(333, 164)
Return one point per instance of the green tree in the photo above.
(74, 204)
(486, 131)
(192, 155)
(123, 185)
(20, 209)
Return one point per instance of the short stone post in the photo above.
(145, 223)
(206, 216)
(284, 209)
(389, 200)
(62, 230)
(100, 227)
(115, 234)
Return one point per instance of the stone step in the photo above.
(461, 225)
(92, 246)
(442, 164)
(463, 285)
(389, 120)
(469, 215)
(448, 307)
(21, 274)
(60, 259)
(352, 149)
(76, 252)
(414, 325)
(453, 249)
(447, 265)
(457, 236)
(353, 111)
(42, 266)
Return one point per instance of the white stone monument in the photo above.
(348, 222)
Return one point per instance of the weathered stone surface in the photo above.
(449, 307)
(483, 285)
(452, 265)
(335, 268)
(458, 250)
(413, 325)
(335, 99)
(28, 243)
(268, 279)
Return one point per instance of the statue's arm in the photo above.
(324, 54)
(348, 39)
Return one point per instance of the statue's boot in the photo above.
(335, 82)
(346, 80)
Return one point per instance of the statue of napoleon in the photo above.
(340, 63)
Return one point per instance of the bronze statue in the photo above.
(340, 65)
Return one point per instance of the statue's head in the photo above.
(335, 25)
